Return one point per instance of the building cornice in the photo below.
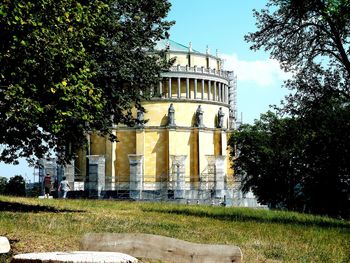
(196, 101)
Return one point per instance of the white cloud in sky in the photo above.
(263, 73)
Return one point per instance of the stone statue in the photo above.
(231, 114)
(140, 118)
(231, 119)
(221, 115)
(171, 115)
(199, 117)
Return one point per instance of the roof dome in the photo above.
(173, 46)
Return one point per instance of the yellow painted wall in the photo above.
(206, 147)
(217, 142)
(181, 59)
(98, 145)
(195, 60)
(125, 146)
(157, 146)
(80, 164)
(229, 163)
(199, 61)
(183, 142)
(213, 63)
(109, 169)
(103, 146)
(156, 155)
(157, 113)
(194, 155)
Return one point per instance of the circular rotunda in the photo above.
(181, 150)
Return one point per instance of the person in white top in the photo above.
(64, 187)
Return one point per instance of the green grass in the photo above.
(264, 236)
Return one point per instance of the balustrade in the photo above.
(195, 69)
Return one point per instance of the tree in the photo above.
(16, 186)
(311, 39)
(298, 33)
(297, 163)
(301, 159)
(3, 184)
(71, 67)
(268, 160)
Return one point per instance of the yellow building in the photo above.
(181, 151)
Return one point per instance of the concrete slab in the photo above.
(75, 257)
(4, 245)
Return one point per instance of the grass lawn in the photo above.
(38, 225)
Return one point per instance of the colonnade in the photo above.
(203, 89)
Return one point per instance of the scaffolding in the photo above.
(176, 186)
(232, 99)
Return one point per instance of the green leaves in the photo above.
(311, 39)
(64, 66)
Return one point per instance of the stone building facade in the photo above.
(181, 152)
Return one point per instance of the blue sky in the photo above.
(220, 24)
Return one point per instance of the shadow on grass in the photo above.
(26, 208)
(244, 216)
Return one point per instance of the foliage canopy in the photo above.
(300, 161)
(71, 67)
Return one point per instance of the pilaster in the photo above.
(220, 175)
(68, 172)
(136, 175)
(140, 144)
(95, 181)
(177, 178)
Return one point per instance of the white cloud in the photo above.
(263, 73)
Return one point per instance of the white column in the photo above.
(202, 88)
(169, 88)
(178, 88)
(160, 88)
(209, 89)
(195, 88)
(220, 92)
(187, 88)
(214, 98)
(227, 93)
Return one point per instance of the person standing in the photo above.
(47, 185)
(64, 187)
